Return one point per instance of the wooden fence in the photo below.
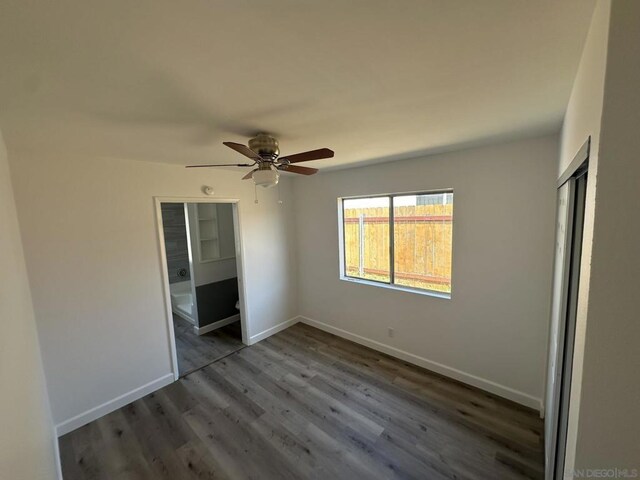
(422, 246)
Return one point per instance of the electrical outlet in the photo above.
(391, 332)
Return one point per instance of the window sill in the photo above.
(428, 293)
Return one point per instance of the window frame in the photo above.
(380, 283)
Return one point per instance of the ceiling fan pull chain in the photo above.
(255, 189)
(279, 199)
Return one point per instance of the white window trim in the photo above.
(390, 286)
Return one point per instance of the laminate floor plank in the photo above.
(68, 459)
(304, 404)
(351, 356)
(84, 442)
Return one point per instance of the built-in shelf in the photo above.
(208, 243)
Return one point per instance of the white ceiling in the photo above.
(168, 81)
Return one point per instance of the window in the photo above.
(402, 240)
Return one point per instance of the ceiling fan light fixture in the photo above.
(264, 151)
(266, 177)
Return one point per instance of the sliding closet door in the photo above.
(580, 193)
(571, 206)
(558, 322)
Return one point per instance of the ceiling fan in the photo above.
(263, 149)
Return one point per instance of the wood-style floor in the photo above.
(196, 351)
(306, 404)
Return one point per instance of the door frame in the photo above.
(554, 406)
(242, 293)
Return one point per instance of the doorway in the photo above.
(202, 276)
(569, 235)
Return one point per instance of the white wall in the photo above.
(582, 119)
(493, 331)
(27, 443)
(223, 269)
(91, 245)
(584, 110)
(608, 418)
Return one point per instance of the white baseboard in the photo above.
(184, 316)
(487, 385)
(519, 397)
(215, 325)
(273, 330)
(111, 405)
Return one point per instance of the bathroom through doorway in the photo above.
(200, 248)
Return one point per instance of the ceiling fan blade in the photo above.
(297, 169)
(244, 150)
(310, 155)
(248, 175)
(223, 165)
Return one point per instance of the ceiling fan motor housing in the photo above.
(266, 146)
(264, 151)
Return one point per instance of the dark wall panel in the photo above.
(175, 240)
(217, 301)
